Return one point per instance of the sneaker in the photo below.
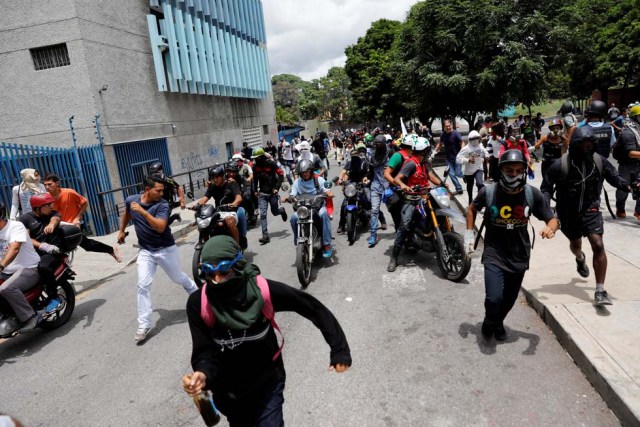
(53, 304)
(141, 334)
(602, 298)
(327, 251)
(340, 230)
(283, 214)
(621, 214)
(29, 324)
(383, 226)
(243, 242)
(487, 329)
(582, 267)
(373, 240)
(116, 254)
(500, 332)
(458, 192)
(264, 239)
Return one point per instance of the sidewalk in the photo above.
(94, 268)
(603, 342)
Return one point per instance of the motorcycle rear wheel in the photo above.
(195, 267)
(455, 264)
(303, 265)
(351, 227)
(68, 295)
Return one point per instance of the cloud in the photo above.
(307, 37)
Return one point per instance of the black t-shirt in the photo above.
(507, 243)
(337, 143)
(36, 226)
(318, 148)
(271, 149)
(224, 194)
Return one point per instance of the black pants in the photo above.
(47, 268)
(476, 179)
(261, 408)
(91, 245)
(394, 206)
(501, 292)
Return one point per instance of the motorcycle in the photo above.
(210, 222)
(433, 230)
(37, 295)
(358, 209)
(309, 234)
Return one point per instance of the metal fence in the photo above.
(81, 168)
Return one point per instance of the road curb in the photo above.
(126, 263)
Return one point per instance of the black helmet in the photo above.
(566, 108)
(3, 211)
(512, 156)
(155, 168)
(304, 166)
(598, 108)
(582, 134)
(216, 171)
(232, 166)
(379, 139)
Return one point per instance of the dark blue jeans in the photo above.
(264, 410)
(266, 201)
(501, 292)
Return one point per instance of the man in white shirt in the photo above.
(18, 268)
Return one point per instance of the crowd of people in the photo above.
(235, 351)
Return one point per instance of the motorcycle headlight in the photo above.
(303, 212)
(350, 191)
(203, 222)
(441, 196)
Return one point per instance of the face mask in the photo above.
(474, 142)
(512, 183)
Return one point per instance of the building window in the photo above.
(229, 146)
(265, 129)
(50, 56)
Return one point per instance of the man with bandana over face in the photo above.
(507, 248)
(578, 186)
(238, 358)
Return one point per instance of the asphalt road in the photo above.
(419, 358)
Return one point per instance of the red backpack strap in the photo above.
(267, 310)
(206, 312)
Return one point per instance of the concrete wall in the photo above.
(109, 46)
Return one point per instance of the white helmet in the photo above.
(304, 145)
(474, 134)
(287, 144)
(237, 156)
(410, 140)
(388, 137)
(421, 144)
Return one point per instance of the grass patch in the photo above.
(548, 109)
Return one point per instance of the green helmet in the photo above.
(361, 146)
(257, 152)
(368, 138)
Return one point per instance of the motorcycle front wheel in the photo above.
(303, 265)
(67, 295)
(195, 267)
(453, 260)
(351, 227)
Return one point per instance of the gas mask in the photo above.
(513, 183)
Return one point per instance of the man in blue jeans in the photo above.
(507, 248)
(452, 142)
(308, 185)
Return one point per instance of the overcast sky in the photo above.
(307, 37)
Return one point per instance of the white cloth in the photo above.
(15, 231)
(20, 201)
(167, 258)
(467, 152)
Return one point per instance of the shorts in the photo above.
(581, 225)
(224, 215)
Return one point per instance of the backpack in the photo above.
(564, 165)
(618, 152)
(490, 194)
(209, 317)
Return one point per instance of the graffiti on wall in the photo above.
(214, 152)
(191, 162)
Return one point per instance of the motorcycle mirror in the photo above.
(190, 195)
(328, 184)
(284, 187)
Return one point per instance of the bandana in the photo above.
(29, 181)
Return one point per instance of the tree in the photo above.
(333, 95)
(369, 67)
(288, 91)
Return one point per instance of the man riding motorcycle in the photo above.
(227, 192)
(310, 184)
(414, 172)
(356, 171)
(18, 269)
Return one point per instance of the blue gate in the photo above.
(84, 169)
(134, 159)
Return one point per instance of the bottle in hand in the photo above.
(207, 409)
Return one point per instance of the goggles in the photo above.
(223, 266)
(477, 138)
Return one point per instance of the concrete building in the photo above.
(185, 82)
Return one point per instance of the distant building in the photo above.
(184, 82)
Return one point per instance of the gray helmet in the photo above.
(512, 156)
(232, 166)
(512, 183)
(566, 108)
(598, 108)
(305, 166)
(155, 168)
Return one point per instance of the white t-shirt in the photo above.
(15, 231)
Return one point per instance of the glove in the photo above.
(469, 240)
(532, 149)
(433, 154)
(50, 249)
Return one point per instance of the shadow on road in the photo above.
(488, 347)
